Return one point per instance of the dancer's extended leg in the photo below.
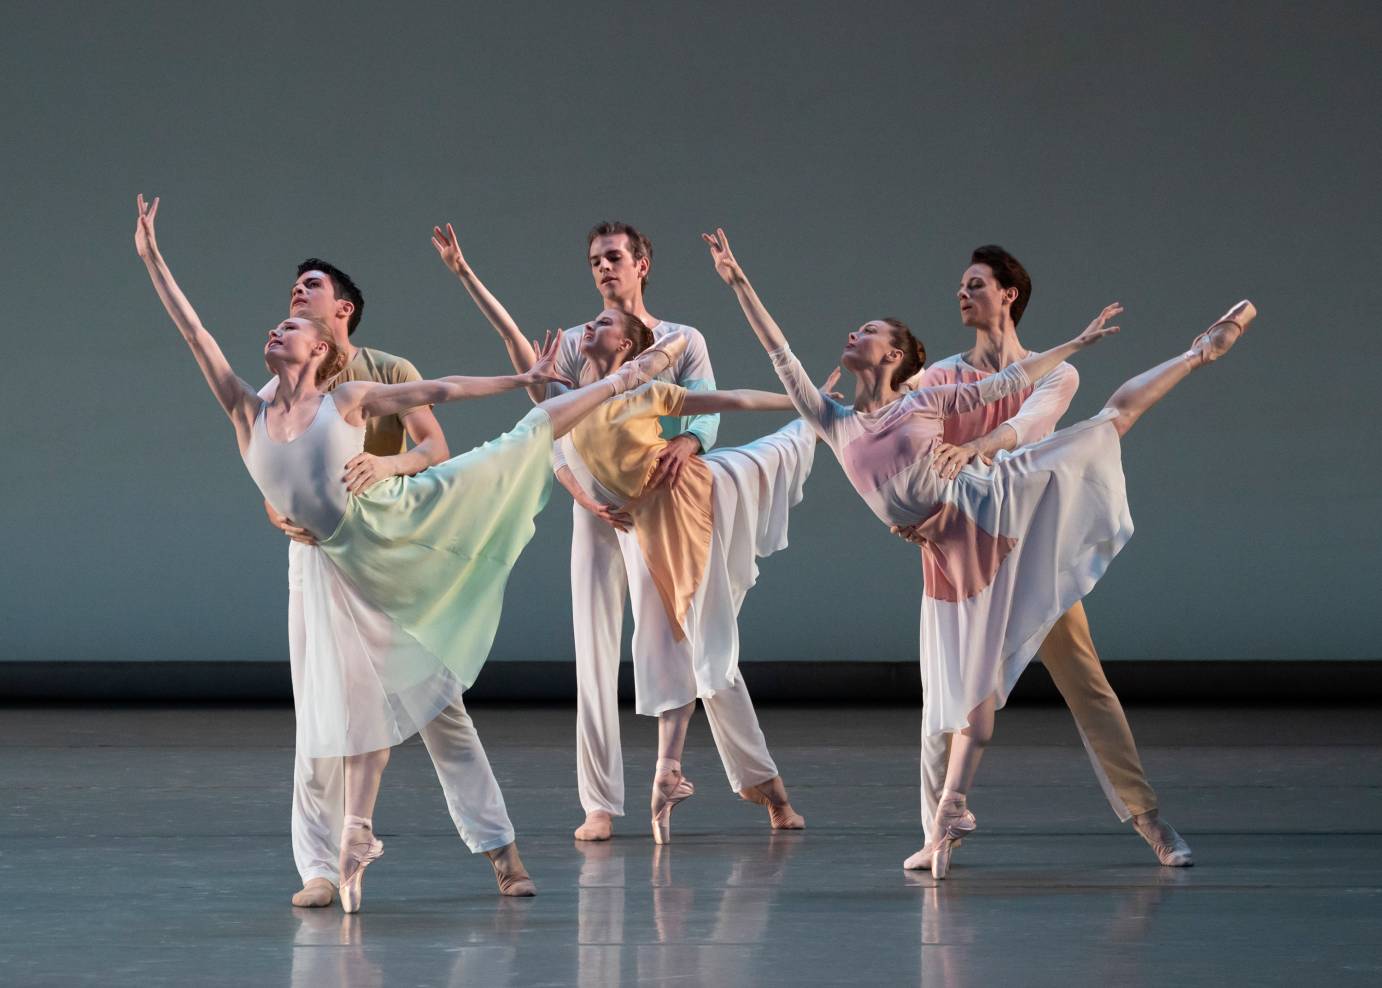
(670, 787)
(359, 846)
(1142, 392)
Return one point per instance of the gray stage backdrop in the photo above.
(1176, 158)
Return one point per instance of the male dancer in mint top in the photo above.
(619, 257)
(993, 295)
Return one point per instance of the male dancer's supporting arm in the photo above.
(1050, 397)
(236, 398)
(521, 355)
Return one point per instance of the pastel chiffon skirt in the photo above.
(755, 487)
(399, 606)
(1040, 527)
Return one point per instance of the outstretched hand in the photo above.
(449, 248)
(726, 266)
(145, 244)
(1097, 330)
(544, 369)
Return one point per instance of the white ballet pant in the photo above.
(605, 566)
(468, 783)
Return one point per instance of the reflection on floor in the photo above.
(149, 847)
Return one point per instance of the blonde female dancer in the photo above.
(1012, 545)
(689, 548)
(404, 589)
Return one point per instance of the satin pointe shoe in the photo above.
(359, 847)
(670, 787)
(599, 825)
(773, 795)
(509, 871)
(315, 893)
(954, 823)
(1220, 337)
(1170, 847)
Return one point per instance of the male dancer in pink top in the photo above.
(993, 294)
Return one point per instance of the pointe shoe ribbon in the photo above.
(674, 788)
(361, 853)
(954, 822)
(1202, 349)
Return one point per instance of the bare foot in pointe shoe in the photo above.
(1171, 849)
(670, 787)
(598, 825)
(315, 893)
(359, 847)
(1219, 338)
(509, 871)
(773, 795)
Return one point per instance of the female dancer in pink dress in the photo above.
(1010, 545)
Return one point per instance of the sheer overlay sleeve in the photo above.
(821, 412)
(953, 399)
(1043, 408)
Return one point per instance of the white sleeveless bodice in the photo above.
(302, 477)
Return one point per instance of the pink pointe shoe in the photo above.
(1220, 337)
(773, 795)
(359, 847)
(954, 822)
(670, 787)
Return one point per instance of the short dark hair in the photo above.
(341, 284)
(639, 245)
(913, 351)
(1009, 272)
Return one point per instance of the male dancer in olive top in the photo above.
(993, 294)
(322, 291)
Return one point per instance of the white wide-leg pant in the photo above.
(468, 783)
(605, 566)
(598, 590)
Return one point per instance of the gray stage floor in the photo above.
(149, 847)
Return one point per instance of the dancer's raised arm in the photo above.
(371, 400)
(236, 398)
(520, 350)
(814, 406)
(727, 267)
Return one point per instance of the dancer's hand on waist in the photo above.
(286, 526)
(672, 460)
(948, 460)
(364, 470)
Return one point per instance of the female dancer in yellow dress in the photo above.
(689, 549)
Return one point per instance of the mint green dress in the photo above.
(399, 605)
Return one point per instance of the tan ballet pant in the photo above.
(1069, 656)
